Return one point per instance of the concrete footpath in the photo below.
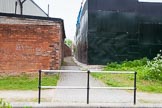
(80, 105)
(80, 95)
(77, 98)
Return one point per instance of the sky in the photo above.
(64, 9)
(68, 11)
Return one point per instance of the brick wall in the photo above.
(28, 47)
(67, 51)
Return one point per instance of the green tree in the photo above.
(68, 42)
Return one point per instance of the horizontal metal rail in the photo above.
(92, 71)
(63, 87)
(63, 71)
(79, 87)
(88, 82)
(114, 88)
(113, 72)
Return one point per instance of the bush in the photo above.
(127, 65)
(149, 77)
(147, 69)
(155, 68)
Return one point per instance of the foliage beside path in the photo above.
(149, 77)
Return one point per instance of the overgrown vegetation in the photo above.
(26, 81)
(149, 77)
(155, 68)
(68, 42)
(4, 104)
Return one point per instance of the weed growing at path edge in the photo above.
(4, 104)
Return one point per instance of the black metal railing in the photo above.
(88, 82)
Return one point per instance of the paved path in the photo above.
(96, 96)
(80, 95)
(107, 97)
(25, 95)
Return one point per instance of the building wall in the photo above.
(7, 6)
(27, 45)
(67, 51)
(123, 30)
(119, 30)
(29, 8)
(81, 43)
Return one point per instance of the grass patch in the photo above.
(120, 80)
(145, 81)
(26, 81)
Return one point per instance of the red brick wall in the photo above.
(29, 47)
(67, 51)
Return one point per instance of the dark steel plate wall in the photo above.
(150, 28)
(112, 5)
(112, 36)
(121, 30)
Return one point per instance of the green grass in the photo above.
(121, 80)
(144, 84)
(26, 81)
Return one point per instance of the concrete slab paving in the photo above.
(80, 95)
(64, 98)
(81, 105)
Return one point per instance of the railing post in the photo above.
(135, 87)
(88, 72)
(39, 87)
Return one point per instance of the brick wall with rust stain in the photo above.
(29, 47)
